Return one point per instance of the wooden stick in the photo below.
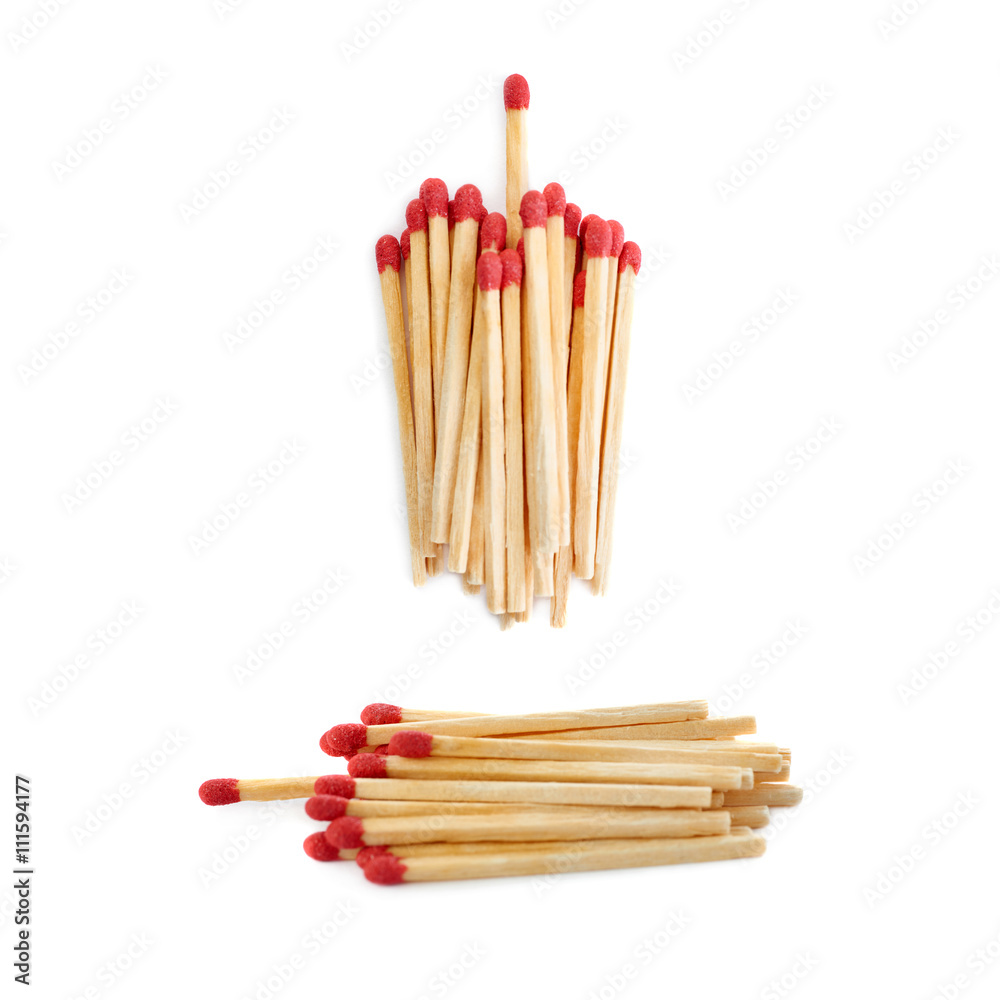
(753, 817)
(571, 227)
(434, 195)
(388, 258)
(404, 250)
(329, 807)
(379, 713)
(516, 97)
(468, 206)
(701, 729)
(617, 242)
(765, 795)
(782, 774)
(475, 571)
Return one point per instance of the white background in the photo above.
(712, 262)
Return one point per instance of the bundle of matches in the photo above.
(432, 796)
(510, 363)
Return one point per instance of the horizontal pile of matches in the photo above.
(431, 796)
(510, 396)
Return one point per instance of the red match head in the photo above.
(366, 854)
(483, 212)
(520, 250)
(510, 261)
(493, 235)
(404, 244)
(385, 869)
(451, 214)
(219, 792)
(579, 289)
(597, 242)
(346, 737)
(382, 749)
(319, 848)
(468, 203)
(555, 199)
(434, 195)
(630, 256)
(387, 253)
(335, 784)
(380, 713)
(326, 807)
(367, 765)
(584, 222)
(416, 216)
(345, 832)
(617, 237)
(571, 220)
(408, 742)
(515, 92)
(534, 210)
(489, 271)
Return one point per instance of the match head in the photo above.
(434, 195)
(515, 92)
(510, 261)
(404, 244)
(617, 237)
(385, 869)
(409, 742)
(451, 214)
(382, 749)
(367, 765)
(387, 253)
(416, 216)
(493, 234)
(555, 199)
(468, 203)
(345, 833)
(597, 242)
(366, 854)
(579, 289)
(520, 250)
(534, 210)
(345, 738)
(630, 256)
(381, 713)
(571, 220)
(489, 271)
(326, 807)
(335, 784)
(319, 848)
(219, 791)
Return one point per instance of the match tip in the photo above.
(630, 256)
(346, 737)
(489, 271)
(387, 253)
(345, 832)
(597, 241)
(416, 216)
(404, 244)
(515, 92)
(579, 289)
(326, 807)
(493, 234)
(382, 749)
(468, 203)
(520, 250)
(510, 261)
(219, 791)
(366, 854)
(367, 765)
(534, 210)
(434, 195)
(408, 742)
(555, 198)
(385, 869)
(319, 848)
(617, 237)
(335, 784)
(571, 220)
(381, 713)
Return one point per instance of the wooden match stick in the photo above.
(388, 257)
(617, 242)
(699, 729)
(404, 252)
(571, 227)
(761, 776)
(468, 206)
(628, 267)
(765, 795)
(434, 195)
(331, 807)
(753, 817)
(516, 97)
(381, 713)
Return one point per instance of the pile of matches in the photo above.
(431, 796)
(510, 397)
